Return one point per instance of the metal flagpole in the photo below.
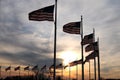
(77, 72)
(10, 73)
(0, 71)
(28, 74)
(62, 72)
(89, 71)
(19, 74)
(81, 25)
(55, 35)
(94, 55)
(69, 72)
(98, 61)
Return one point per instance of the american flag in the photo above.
(79, 61)
(92, 46)
(72, 27)
(52, 66)
(26, 68)
(35, 68)
(72, 63)
(59, 66)
(65, 66)
(17, 68)
(75, 63)
(88, 39)
(8, 68)
(92, 55)
(44, 67)
(43, 14)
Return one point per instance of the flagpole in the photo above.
(82, 48)
(98, 61)
(19, 74)
(94, 55)
(55, 35)
(28, 73)
(62, 72)
(10, 71)
(89, 71)
(77, 72)
(69, 72)
(0, 72)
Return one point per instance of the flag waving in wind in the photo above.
(92, 46)
(92, 55)
(73, 63)
(43, 14)
(88, 39)
(65, 66)
(72, 27)
(17, 68)
(79, 61)
(35, 68)
(43, 68)
(26, 68)
(8, 68)
(59, 66)
(51, 66)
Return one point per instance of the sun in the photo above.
(68, 57)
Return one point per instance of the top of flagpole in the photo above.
(94, 34)
(81, 17)
(81, 26)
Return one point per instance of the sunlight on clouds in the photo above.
(68, 56)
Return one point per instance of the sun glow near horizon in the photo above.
(68, 56)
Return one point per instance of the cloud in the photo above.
(24, 40)
(28, 58)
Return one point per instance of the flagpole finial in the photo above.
(81, 17)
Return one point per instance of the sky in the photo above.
(24, 42)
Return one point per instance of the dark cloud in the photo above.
(28, 58)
